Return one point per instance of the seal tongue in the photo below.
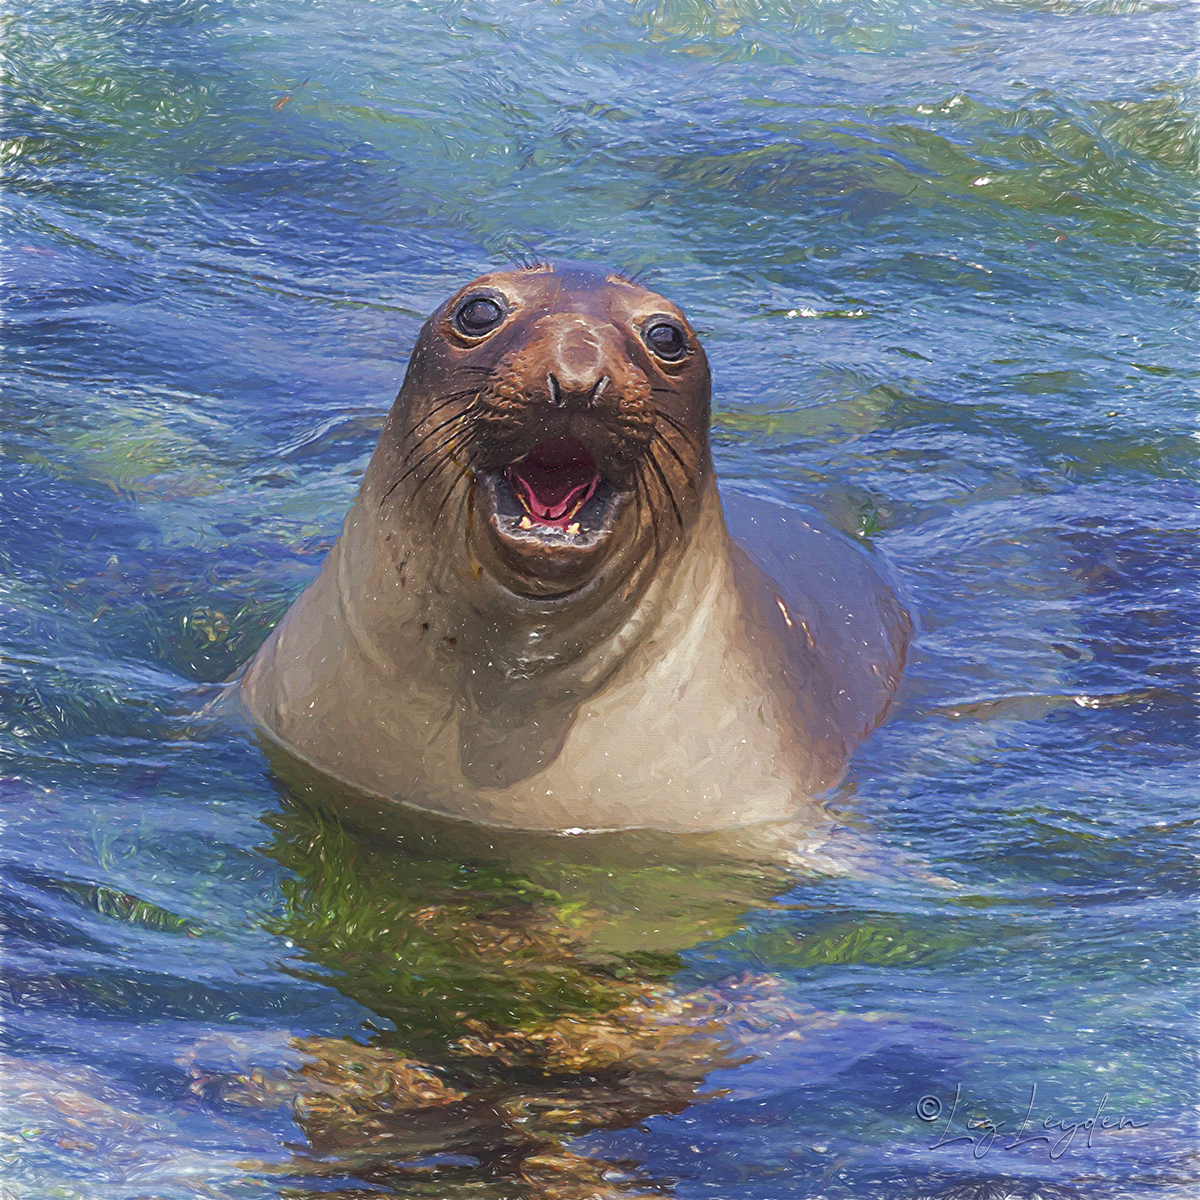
(554, 480)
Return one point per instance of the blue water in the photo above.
(942, 257)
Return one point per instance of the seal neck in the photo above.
(527, 674)
(586, 634)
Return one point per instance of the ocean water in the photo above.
(942, 255)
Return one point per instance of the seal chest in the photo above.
(535, 616)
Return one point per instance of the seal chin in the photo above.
(550, 516)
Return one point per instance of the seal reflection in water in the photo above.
(527, 986)
(535, 617)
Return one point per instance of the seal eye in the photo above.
(666, 340)
(478, 315)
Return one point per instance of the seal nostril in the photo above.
(556, 394)
(601, 384)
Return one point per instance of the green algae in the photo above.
(123, 906)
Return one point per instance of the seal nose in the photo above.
(558, 394)
(577, 375)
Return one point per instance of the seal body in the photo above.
(535, 616)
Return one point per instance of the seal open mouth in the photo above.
(556, 494)
(554, 481)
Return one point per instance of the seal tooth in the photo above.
(526, 523)
(573, 528)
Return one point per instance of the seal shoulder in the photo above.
(829, 602)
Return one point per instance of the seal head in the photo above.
(567, 410)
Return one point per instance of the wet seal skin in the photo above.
(535, 616)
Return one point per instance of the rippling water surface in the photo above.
(942, 256)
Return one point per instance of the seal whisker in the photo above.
(434, 469)
(419, 442)
(657, 468)
(420, 462)
(678, 426)
(687, 473)
(439, 401)
(637, 501)
(452, 398)
(641, 484)
(464, 473)
(432, 453)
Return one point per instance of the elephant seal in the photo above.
(535, 616)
